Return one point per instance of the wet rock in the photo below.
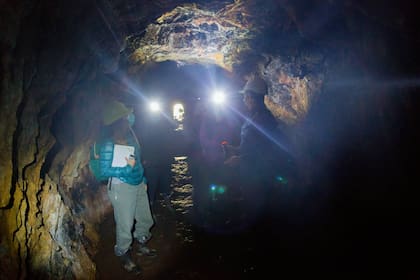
(292, 86)
(52, 60)
(195, 35)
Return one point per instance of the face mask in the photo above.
(131, 118)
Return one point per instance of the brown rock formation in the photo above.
(54, 61)
(189, 34)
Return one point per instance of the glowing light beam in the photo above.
(219, 97)
(262, 131)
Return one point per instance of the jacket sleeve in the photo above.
(106, 154)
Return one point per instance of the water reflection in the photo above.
(196, 206)
(182, 201)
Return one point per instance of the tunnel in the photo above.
(342, 82)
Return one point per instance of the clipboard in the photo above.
(121, 152)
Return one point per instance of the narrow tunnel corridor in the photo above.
(222, 245)
(341, 84)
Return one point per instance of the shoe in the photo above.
(143, 250)
(129, 265)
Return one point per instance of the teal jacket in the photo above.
(127, 174)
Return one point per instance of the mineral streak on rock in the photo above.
(189, 34)
(292, 86)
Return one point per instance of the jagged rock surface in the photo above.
(46, 66)
(189, 34)
(53, 56)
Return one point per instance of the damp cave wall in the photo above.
(51, 80)
(55, 56)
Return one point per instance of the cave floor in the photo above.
(300, 236)
(187, 251)
(211, 249)
(189, 246)
(164, 240)
(219, 243)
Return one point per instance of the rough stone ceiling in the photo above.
(230, 34)
(225, 33)
(217, 31)
(189, 34)
(56, 61)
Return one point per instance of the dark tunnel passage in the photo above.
(309, 222)
(328, 190)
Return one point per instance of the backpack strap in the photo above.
(135, 137)
(95, 155)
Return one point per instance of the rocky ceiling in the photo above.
(228, 34)
(57, 58)
(289, 43)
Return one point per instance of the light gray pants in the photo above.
(129, 202)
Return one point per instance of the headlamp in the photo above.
(219, 97)
(154, 106)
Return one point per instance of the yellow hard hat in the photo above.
(114, 111)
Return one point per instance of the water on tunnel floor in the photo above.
(185, 250)
(292, 240)
(215, 245)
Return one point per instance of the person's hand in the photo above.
(232, 161)
(228, 148)
(131, 161)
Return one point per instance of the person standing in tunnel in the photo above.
(255, 156)
(127, 185)
(215, 127)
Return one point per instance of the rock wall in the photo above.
(51, 69)
(56, 58)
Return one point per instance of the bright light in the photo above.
(178, 112)
(219, 97)
(155, 106)
(219, 189)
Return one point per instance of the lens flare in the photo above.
(155, 106)
(219, 97)
(281, 179)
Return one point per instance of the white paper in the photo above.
(121, 152)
